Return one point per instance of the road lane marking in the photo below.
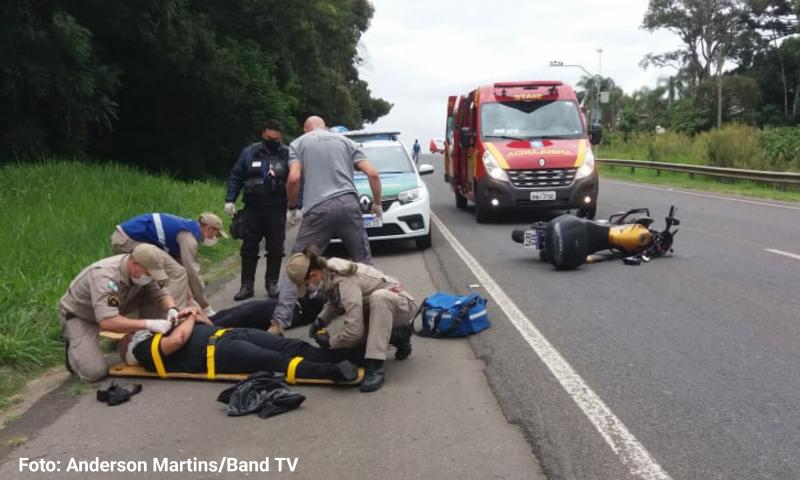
(705, 195)
(622, 442)
(785, 254)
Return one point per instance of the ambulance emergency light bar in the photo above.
(552, 84)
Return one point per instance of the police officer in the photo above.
(262, 170)
(354, 290)
(179, 237)
(103, 294)
(325, 162)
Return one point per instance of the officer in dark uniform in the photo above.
(262, 170)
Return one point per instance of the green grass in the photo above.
(682, 180)
(57, 219)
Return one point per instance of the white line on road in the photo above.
(785, 254)
(622, 442)
(704, 195)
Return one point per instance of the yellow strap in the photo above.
(290, 372)
(211, 350)
(157, 356)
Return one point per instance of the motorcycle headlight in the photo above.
(588, 166)
(409, 196)
(492, 168)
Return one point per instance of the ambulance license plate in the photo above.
(371, 221)
(531, 239)
(542, 196)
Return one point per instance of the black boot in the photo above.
(374, 377)
(273, 272)
(401, 339)
(248, 278)
(344, 371)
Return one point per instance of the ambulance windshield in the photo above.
(526, 120)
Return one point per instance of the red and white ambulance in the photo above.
(521, 144)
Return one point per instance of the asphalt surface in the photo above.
(435, 417)
(697, 353)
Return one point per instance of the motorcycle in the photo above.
(568, 241)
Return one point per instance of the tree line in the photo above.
(175, 85)
(739, 62)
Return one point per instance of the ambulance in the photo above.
(515, 145)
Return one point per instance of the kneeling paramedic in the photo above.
(179, 237)
(100, 297)
(197, 348)
(351, 289)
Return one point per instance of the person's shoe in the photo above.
(345, 371)
(374, 377)
(401, 339)
(245, 292)
(272, 289)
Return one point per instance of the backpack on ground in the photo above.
(447, 315)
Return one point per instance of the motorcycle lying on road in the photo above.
(568, 241)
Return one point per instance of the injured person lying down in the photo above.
(192, 347)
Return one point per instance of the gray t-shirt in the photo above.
(328, 161)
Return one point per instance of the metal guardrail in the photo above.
(777, 178)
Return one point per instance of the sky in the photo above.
(418, 52)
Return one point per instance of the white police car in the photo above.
(405, 200)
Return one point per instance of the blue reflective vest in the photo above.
(161, 230)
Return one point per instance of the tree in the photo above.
(709, 30)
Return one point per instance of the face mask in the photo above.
(272, 145)
(143, 280)
(210, 242)
(314, 289)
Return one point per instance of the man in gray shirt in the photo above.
(326, 163)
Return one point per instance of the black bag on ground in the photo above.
(263, 393)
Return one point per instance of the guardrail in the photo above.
(776, 178)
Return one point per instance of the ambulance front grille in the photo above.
(551, 177)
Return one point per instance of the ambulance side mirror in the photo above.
(595, 134)
(467, 138)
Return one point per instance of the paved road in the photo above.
(697, 354)
(436, 417)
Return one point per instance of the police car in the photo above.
(405, 200)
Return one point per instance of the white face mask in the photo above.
(210, 242)
(143, 280)
(314, 289)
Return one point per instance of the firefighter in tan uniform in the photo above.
(100, 297)
(375, 309)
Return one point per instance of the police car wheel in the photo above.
(423, 243)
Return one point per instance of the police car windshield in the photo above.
(391, 159)
(538, 119)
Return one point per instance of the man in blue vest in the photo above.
(261, 171)
(177, 236)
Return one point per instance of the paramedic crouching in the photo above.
(351, 289)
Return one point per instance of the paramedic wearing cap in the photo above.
(261, 171)
(100, 297)
(177, 236)
(326, 163)
(359, 295)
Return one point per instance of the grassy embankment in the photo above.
(734, 146)
(57, 219)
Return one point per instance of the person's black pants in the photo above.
(269, 223)
(249, 350)
(257, 313)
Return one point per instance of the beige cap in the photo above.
(297, 269)
(213, 220)
(151, 258)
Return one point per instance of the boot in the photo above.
(374, 377)
(271, 278)
(401, 339)
(248, 278)
(272, 289)
(344, 371)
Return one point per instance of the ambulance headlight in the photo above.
(588, 166)
(492, 168)
(409, 196)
